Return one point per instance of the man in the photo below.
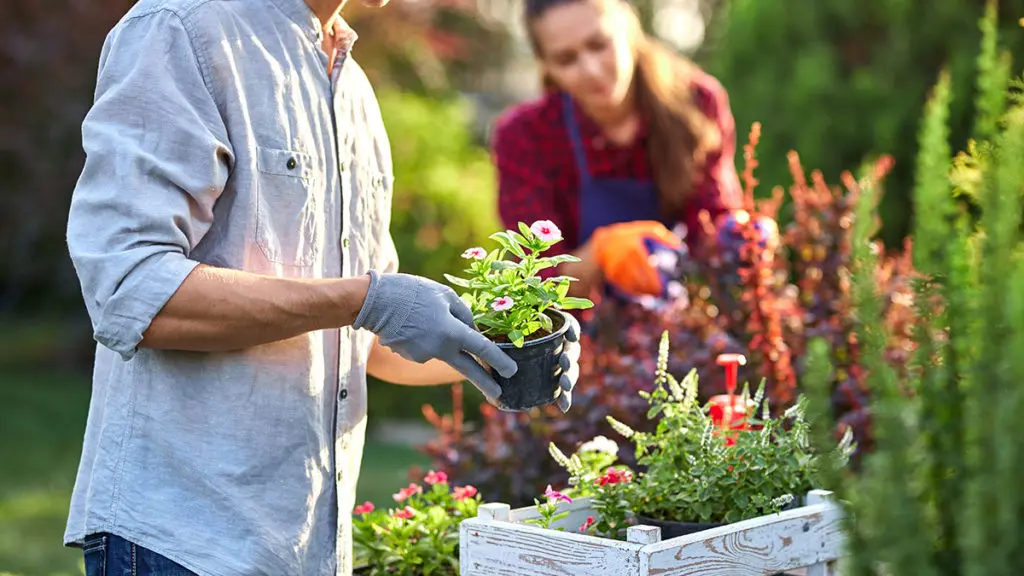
(230, 231)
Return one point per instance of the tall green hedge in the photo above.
(940, 495)
(841, 80)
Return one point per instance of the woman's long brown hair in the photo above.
(680, 136)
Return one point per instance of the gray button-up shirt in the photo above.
(218, 137)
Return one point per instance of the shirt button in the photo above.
(344, 242)
(339, 476)
(343, 394)
(291, 164)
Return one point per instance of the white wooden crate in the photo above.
(804, 540)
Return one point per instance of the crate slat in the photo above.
(806, 540)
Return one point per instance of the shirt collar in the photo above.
(344, 35)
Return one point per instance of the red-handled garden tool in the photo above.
(729, 411)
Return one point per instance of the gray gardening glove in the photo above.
(569, 360)
(420, 320)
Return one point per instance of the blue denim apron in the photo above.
(605, 201)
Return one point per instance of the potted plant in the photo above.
(418, 537)
(521, 312)
(698, 473)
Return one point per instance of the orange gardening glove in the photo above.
(623, 251)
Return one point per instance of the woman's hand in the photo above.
(623, 253)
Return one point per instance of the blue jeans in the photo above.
(109, 555)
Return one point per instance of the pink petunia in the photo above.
(436, 478)
(590, 521)
(476, 253)
(556, 495)
(463, 492)
(405, 493)
(364, 508)
(546, 231)
(502, 303)
(405, 513)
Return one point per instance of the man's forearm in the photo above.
(219, 309)
(388, 366)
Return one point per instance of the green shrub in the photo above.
(445, 201)
(445, 192)
(844, 79)
(940, 495)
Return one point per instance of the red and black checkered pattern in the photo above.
(538, 179)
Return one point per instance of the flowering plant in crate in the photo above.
(699, 472)
(420, 535)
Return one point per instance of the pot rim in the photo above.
(541, 341)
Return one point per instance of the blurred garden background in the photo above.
(840, 81)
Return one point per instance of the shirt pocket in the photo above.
(287, 213)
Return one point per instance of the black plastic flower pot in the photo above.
(672, 529)
(536, 382)
(676, 529)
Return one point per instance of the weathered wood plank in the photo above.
(643, 534)
(792, 539)
(490, 548)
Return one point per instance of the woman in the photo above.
(628, 141)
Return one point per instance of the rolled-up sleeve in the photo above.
(157, 159)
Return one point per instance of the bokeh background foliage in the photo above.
(840, 81)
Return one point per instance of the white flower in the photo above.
(546, 231)
(675, 290)
(502, 303)
(476, 253)
(601, 444)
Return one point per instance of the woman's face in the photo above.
(585, 48)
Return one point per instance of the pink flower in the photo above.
(614, 476)
(587, 523)
(476, 253)
(502, 303)
(436, 478)
(463, 493)
(546, 231)
(405, 493)
(364, 508)
(556, 495)
(405, 513)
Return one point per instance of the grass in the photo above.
(42, 425)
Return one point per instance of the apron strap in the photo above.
(569, 114)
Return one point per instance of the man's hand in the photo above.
(569, 361)
(421, 319)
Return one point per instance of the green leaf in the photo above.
(545, 322)
(558, 279)
(460, 282)
(502, 265)
(561, 259)
(563, 289)
(525, 230)
(519, 238)
(508, 243)
(575, 304)
(517, 337)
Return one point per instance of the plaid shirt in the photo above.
(538, 178)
